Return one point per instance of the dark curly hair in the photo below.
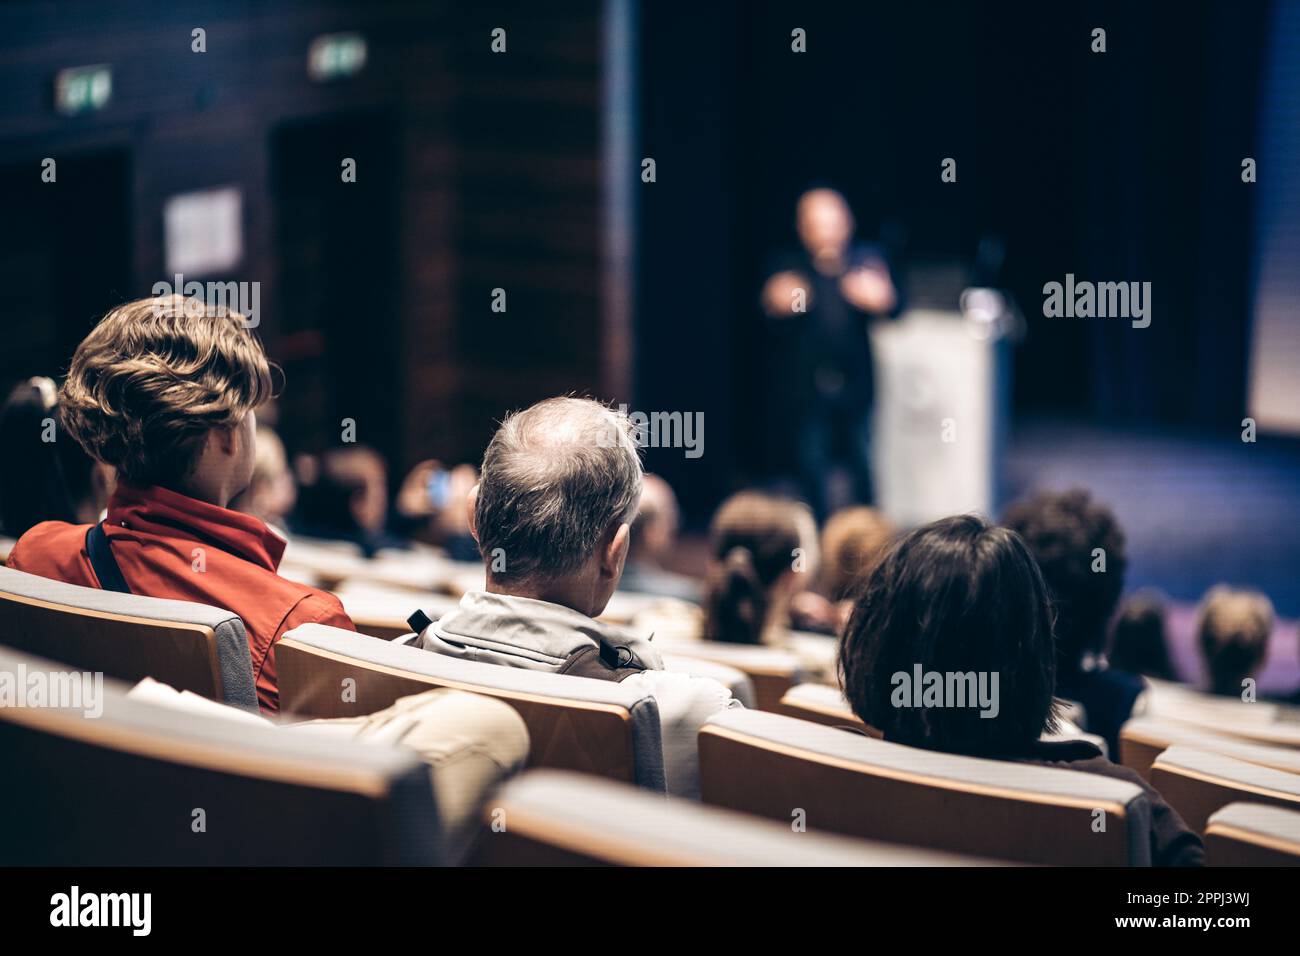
(1064, 530)
(957, 596)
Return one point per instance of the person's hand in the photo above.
(869, 289)
(779, 293)
(413, 497)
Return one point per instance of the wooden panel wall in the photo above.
(491, 177)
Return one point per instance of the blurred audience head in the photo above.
(756, 541)
(824, 222)
(557, 494)
(1232, 631)
(654, 532)
(1079, 546)
(272, 491)
(46, 475)
(955, 597)
(852, 541)
(163, 390)
(344, 495)
(1138, 642)
(430, 502)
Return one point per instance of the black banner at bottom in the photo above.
(227, 906)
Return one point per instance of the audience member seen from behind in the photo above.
(272, 492)
(1138, 644)
(654, 535)
(430, 507)
(1079, 546)
(552, 515)
(759, 546)
(961, 596)
(46, 475)
(164, 391)
(851, 542)
(1232, 632)
(347, 500)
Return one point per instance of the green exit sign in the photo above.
(333, 56)
(82, 89)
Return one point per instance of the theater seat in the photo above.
(592, 726)
(1265, 734)
(141, 784)
(323, 564)
(382, 611)
(625, 607)
(788, 769)
(1259, 722)
(1252, 834)
(1143, 739)
(558, 819)
(819, 654)
(822, 704)
(826, 705)
(188, 646)
(1197, 783)
(735, 680)
(771, 671)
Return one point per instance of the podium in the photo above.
(942, 390)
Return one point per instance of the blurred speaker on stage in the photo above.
(820, 298)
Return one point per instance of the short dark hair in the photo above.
(325, 503)
(1063, 530)
(46, 475)
(955, 596)
(754, 538)
(1138, 644)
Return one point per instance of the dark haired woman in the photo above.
(47, 476)
(962, 596)
(759, 543)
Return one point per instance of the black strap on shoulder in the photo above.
(103, 562)
(418, 621)
(618, 656)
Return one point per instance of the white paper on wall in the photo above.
(203, 232)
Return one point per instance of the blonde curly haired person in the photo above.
(165, 390)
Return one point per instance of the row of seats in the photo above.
(140, 784)
(377, 610)
(798, 773)
(175, 788)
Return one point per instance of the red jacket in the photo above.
(158, 538)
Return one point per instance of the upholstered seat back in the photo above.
(575, 723)
(830, 779)
(128, 636)
(110, 780)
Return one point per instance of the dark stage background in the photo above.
(1123, 166)
(521, 171)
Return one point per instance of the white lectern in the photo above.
(939, 415)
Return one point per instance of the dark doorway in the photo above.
(337, 319)
(64, 257)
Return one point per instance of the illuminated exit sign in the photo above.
(82, 89)
(333, 56)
